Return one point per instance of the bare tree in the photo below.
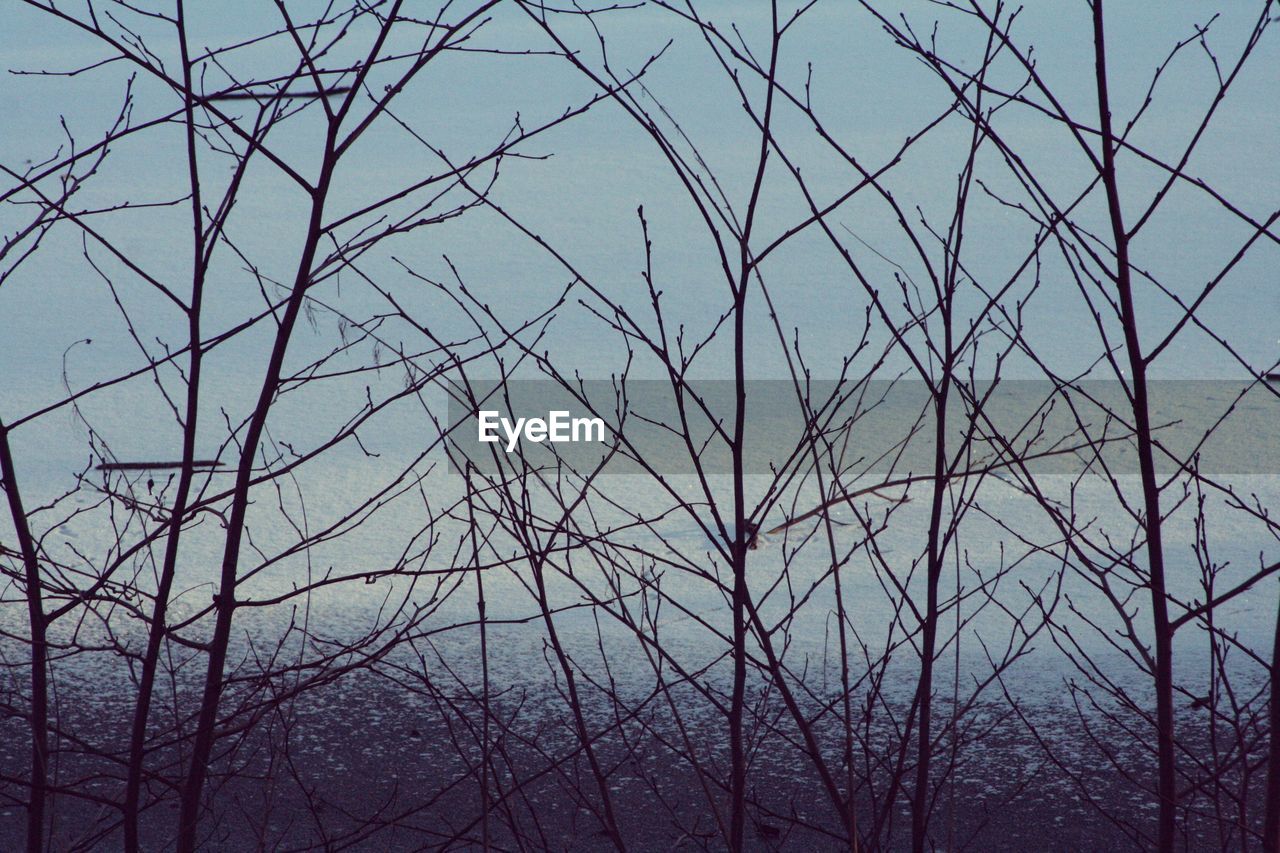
(895, 481)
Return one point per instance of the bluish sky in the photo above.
(581, 184)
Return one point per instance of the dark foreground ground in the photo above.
(362, 766)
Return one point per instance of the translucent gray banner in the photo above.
(881, 427)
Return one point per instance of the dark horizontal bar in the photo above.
(145, 466)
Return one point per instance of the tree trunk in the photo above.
(1165, 785)
(39, 717)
